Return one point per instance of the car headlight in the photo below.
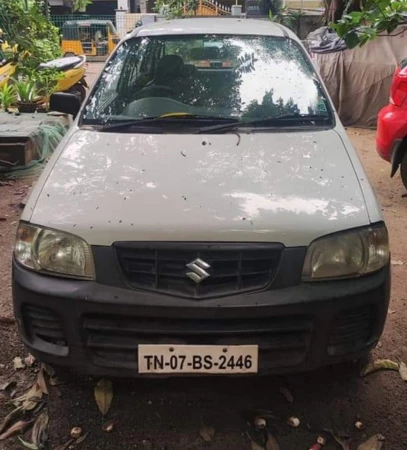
(53, 252)
(346, 255)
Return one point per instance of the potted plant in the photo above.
(27, 96)
(8, 96)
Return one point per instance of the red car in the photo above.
(391, 139)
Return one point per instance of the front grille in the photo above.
(113, 341)
(351, 330)
(44, 324)
(233, 268)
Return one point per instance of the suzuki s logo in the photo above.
(198, 270)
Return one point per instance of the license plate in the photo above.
(199, 359)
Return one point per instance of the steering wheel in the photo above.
(159, 91)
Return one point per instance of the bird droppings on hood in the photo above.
(91, 228)
(184, 197)
(238, 139)
(132, 224)
(278, 162)
(120, 221)
(204, 142)
(125, 198)
(97, 207)
(47, 195)
(183, 154)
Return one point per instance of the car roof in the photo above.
(218, 25)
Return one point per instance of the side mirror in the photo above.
(65, 103)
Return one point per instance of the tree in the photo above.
(375, 16)
(28, 32)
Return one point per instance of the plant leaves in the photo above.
(373, 443)
(403, 371)
(7, 420)
(18, 428)
(207, 432)
(27, 444)
(103, 395)
(271, 443)
(380, 364)
(287, 394)
(18, 363)
(39, 435)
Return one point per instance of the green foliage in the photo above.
(46, 80)
(80, 5)
(29, 34)
(288, 18)
(26, 90)
(175, 8)
(8, 96)
(376, 16)
(269, 107)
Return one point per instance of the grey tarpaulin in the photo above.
(359, 80)
(44, 131)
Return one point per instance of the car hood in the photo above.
(289, 187)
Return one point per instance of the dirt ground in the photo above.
(167, 414)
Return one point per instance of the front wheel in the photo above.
(403, 170)
(78, 90)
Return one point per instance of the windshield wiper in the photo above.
(297, 119)
(177, 118)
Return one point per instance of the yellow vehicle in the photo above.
(89, 37)
(73, 68)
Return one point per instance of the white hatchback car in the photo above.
(205, 214)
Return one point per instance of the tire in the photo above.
(68, 54)
(78, 90)
(403, 170)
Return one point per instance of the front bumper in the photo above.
(96, 328)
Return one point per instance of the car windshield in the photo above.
(207, 77)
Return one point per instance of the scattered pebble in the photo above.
(293, 422)
(76, 432)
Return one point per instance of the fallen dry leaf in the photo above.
(103, 395)
(287, 394)
(41, 381)
(82, 438)
(29, 360)
(108, 426)
(39, 435)
(18, 428)
(8, 419)
(207, 432)
(403, 371)
(18, 363)
(373, 443)
(29, 400)
(271, 443)
(344, 442)
(380, 364)
(26, 444)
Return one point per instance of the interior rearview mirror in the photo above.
(65, 103)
